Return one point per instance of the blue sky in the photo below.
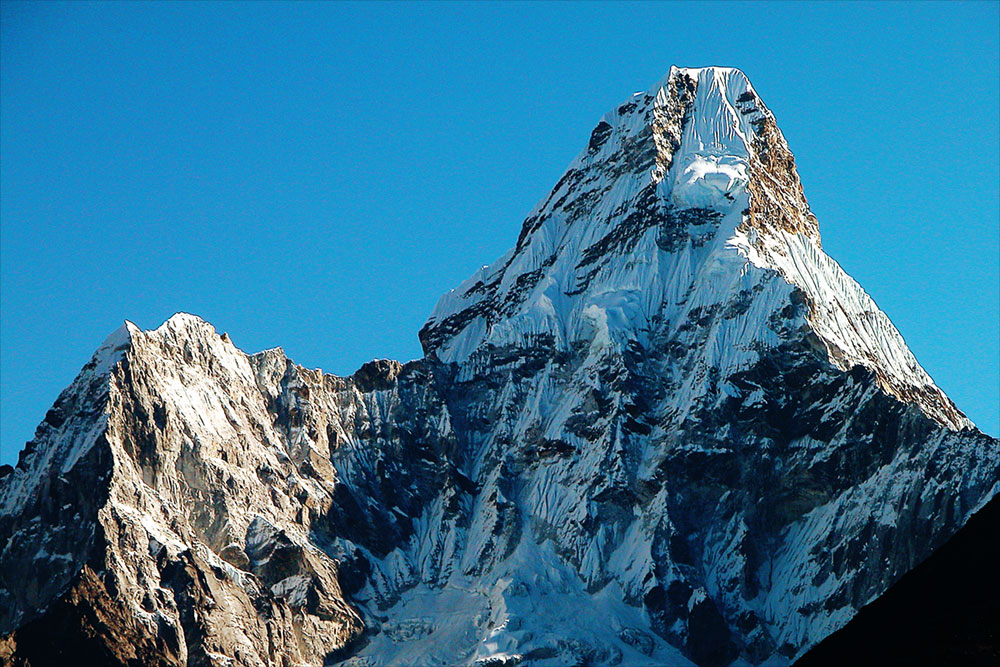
(315, 175)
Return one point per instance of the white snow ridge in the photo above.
(665, 428)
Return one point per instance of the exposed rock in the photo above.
(944, 612)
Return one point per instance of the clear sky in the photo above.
(314, 176)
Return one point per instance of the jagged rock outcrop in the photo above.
(665, 428)
(160, 495)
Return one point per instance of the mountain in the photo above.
(943, 612)
(664, 429)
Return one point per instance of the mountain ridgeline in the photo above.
(665, 428)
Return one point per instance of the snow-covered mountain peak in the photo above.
(111, 351)
(182, 319)
(686, 197)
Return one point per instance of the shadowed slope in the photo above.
(946, 611)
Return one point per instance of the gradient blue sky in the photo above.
(315, 175)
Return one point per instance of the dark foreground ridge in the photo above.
(944, 612)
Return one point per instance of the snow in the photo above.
(524, 604)
(703, 179)
(598, 318)
(711, 163)
(710, 169)
(73, 442)
(113, 349)
(629, 295)
(846, 318)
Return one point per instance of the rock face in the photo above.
(665, 428)
(943, 612)
(162, 507)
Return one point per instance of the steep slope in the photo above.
(158, 492)
(677, 191)
(665, 428)
(943, 612)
